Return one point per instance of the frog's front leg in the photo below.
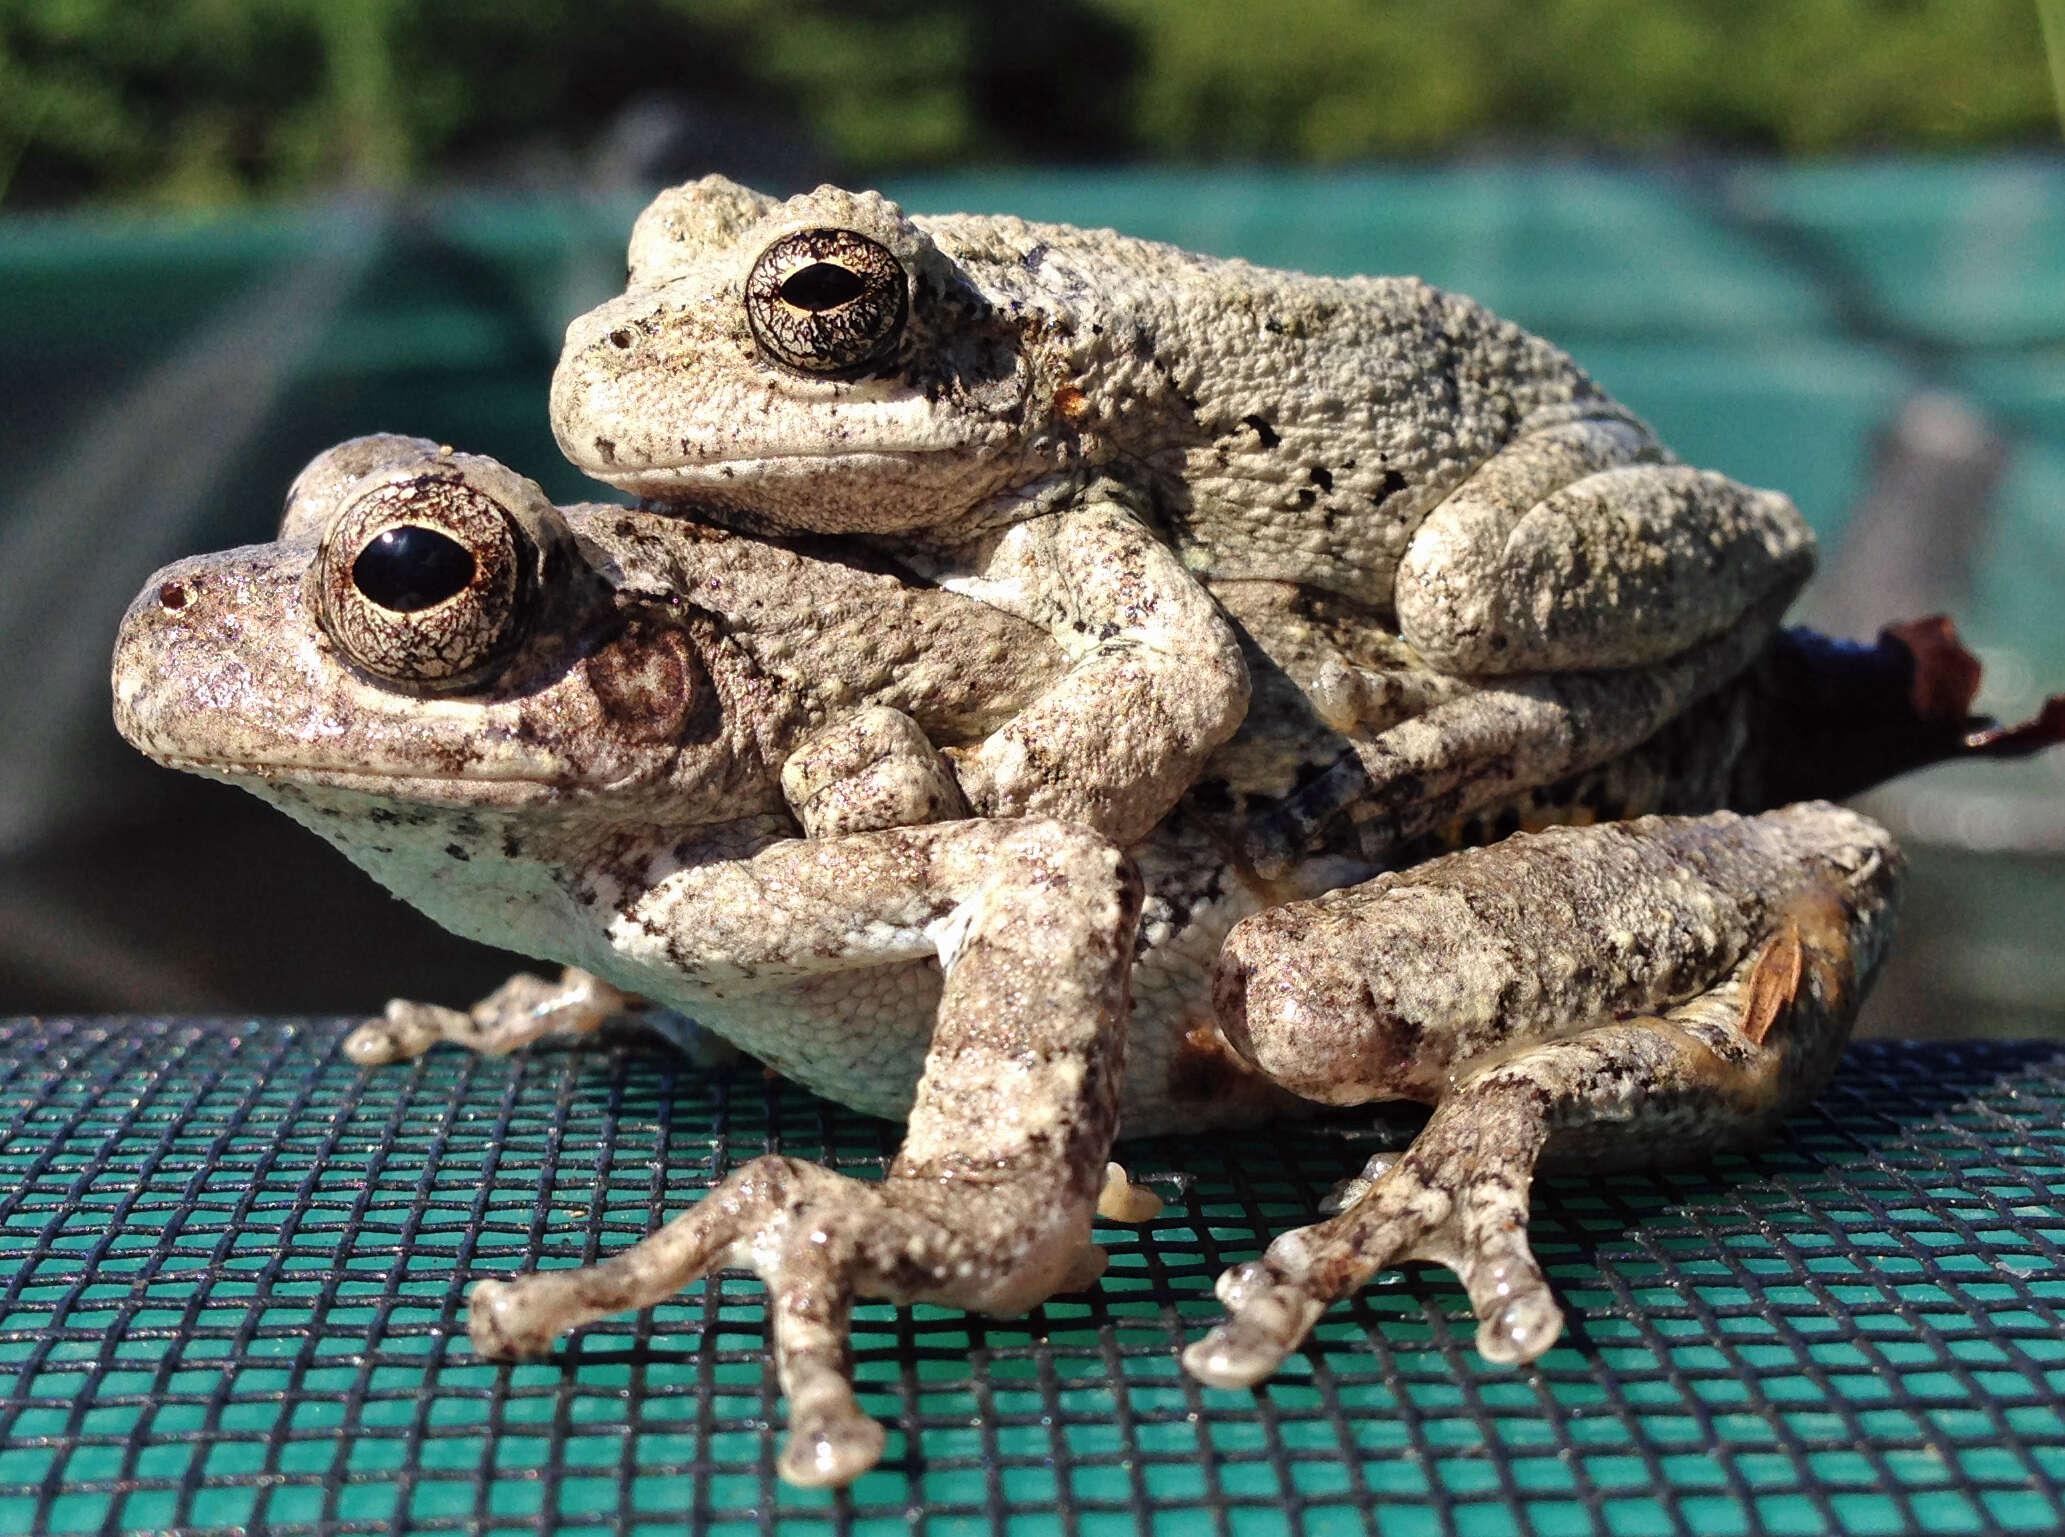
(874, 770)
(1639, 992)
(1156, 682)
(988, 1203)
(1578, 546)
(524, 1009)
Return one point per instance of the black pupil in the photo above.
(408, 568)
(821, 286)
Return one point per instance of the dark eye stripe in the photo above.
(822, 286)
(410, 568)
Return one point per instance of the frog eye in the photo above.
(411, 567)
(420, 581)
(827, 301)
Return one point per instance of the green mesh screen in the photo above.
(234, 1270)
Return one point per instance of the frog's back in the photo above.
(1288, 427)
(1338, 413)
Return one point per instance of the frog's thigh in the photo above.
(1388, 989)
(1755, 937)
(1528, 568)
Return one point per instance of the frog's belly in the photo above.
(859, 1037)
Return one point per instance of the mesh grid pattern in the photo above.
(234, 1272)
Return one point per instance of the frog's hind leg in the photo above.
(1636, 992)
(1580, 546)
(1496, 744)
(1591, 590)
(1459, 1196)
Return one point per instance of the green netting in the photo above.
(1965, 253)
(1578, 250)
(234, 1269)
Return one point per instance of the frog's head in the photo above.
(429, 646)
(814, 364)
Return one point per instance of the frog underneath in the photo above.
(565, 730)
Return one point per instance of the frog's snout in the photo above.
(157, 626)
(191, 666)
(597, 406)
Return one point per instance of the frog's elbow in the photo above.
(1236, 692)
(1205, 669)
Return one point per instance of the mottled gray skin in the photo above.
(1061, 404)
(601, 772)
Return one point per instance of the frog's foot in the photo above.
(1515, 985)
(1457, 1198)
(1351, 1190)
(1123, 1201)
(818, 1240)
(523, 1009)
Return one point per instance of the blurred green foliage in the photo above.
(206, 101)
(1333, 79)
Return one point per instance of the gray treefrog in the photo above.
(1085, 428)
(567, 731)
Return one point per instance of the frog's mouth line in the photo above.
(501, 789)
(713, 472)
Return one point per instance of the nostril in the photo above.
(621, 339)
(173, 595)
